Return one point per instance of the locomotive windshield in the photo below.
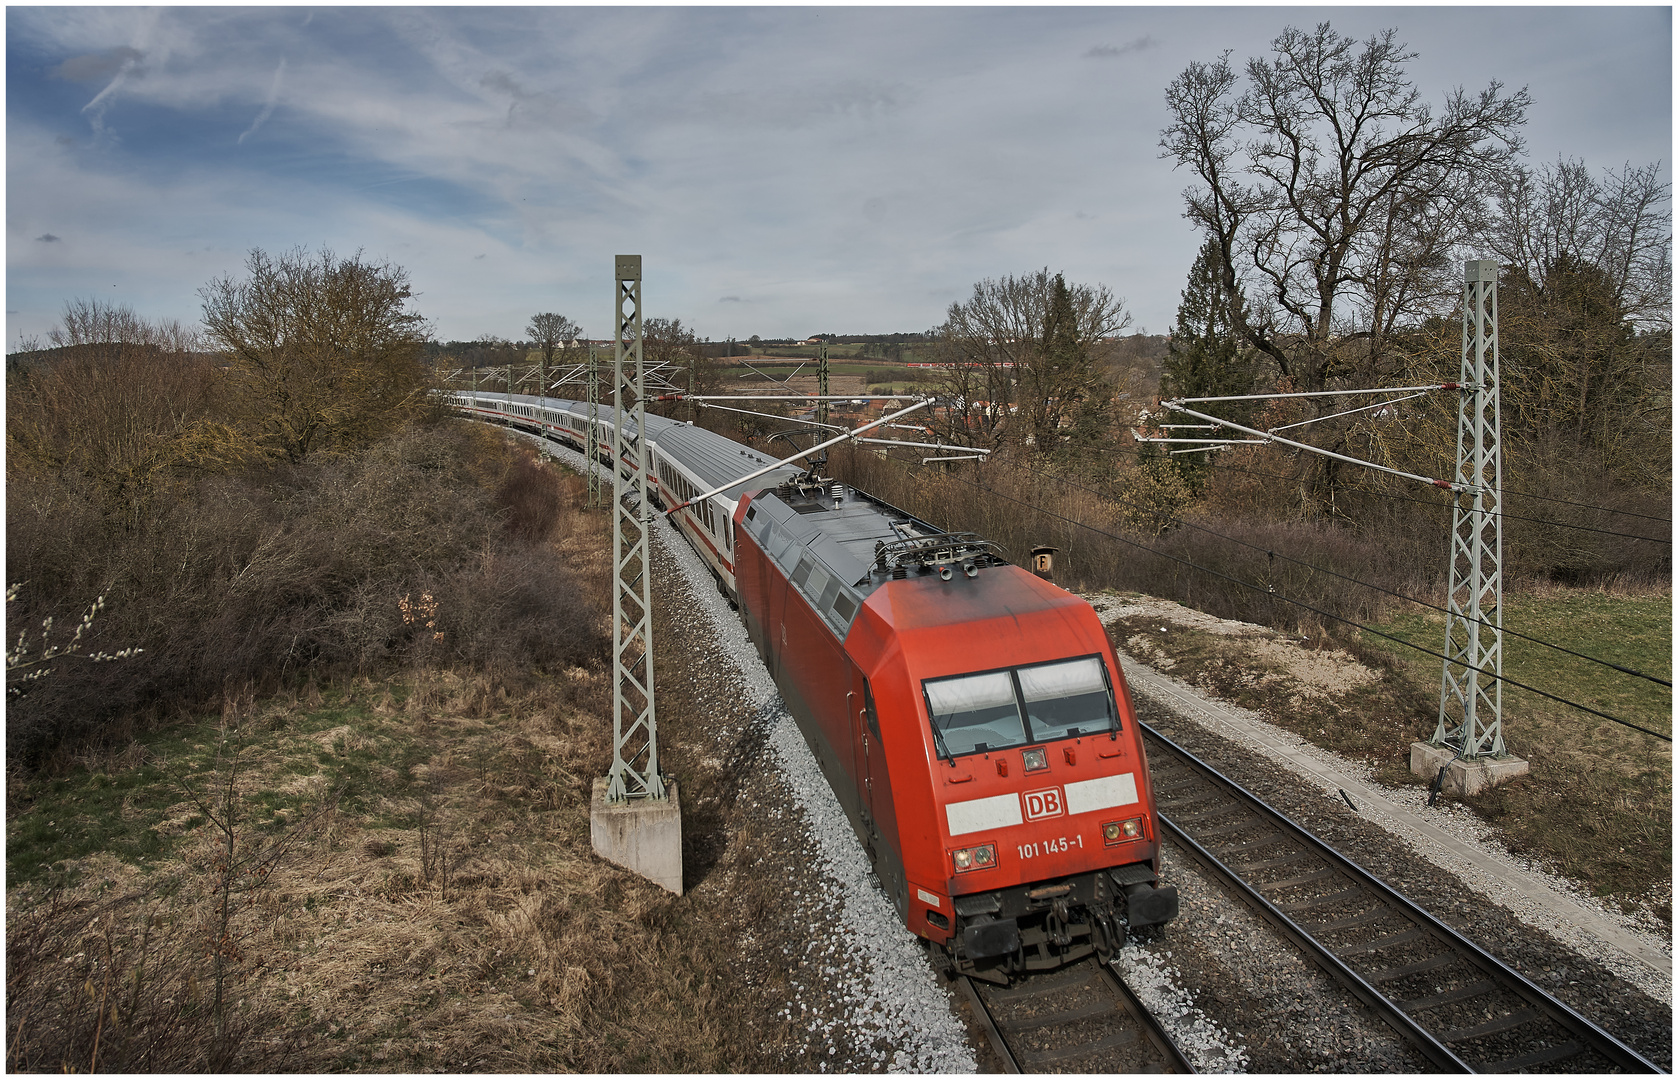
(995, 710)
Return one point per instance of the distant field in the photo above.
(872, 372)
(848, 353)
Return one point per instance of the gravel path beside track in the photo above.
(1454, 840)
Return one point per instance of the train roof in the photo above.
(714, 459)
(861, 542)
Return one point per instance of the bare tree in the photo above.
(125, 403)
(324, 351)
(1022, 359)
(549, 331)
(1338, 200)
(1558, 217)
(93, 322)
(668, 342)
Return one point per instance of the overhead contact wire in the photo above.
(1492, 513)
(1326, 614)
(1378, 588)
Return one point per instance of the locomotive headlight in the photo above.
(1117, 832)
(974, 858)
(1035, 759)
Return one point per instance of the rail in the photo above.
(1464, 1010)
(1082, 1018)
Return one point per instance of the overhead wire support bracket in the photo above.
(1265, 436)
(703, 398)
(1324, 393)
(787, 382)
(837, 439)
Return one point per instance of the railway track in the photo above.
(1462, 1008)
(1081, 1019)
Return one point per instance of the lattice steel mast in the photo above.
(634, 773)
(821, 384)
(1471, 689)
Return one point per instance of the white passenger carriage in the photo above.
(686, 461)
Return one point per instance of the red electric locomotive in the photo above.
(972, 719)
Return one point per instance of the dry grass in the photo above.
(440, 909)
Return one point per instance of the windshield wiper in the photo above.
(944, 751)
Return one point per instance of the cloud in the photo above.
(730, 300)
(268, 105)
(530, 108)
(47, 238)
(95, 109)
(96, 66)
(1109, 52)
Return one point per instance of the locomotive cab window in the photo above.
(1067, 699)
(974, 711)
(997, 710)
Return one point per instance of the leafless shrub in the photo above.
(531, 497)
(299, 572)
(1223, 565)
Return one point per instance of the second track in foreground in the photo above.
(1460, 1006)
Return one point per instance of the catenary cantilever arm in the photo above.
(801, 454)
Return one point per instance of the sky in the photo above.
(783, 171)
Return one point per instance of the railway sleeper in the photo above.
(1545, 1056)
(1491, 1027)
(1055, 1019)
(1449, 997)
(1072, 1053)
(1374, 914)
(1377, 944)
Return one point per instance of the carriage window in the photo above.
(973, 711)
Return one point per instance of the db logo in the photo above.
(1042, 804)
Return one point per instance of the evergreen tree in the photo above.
(1071, 389)
(1205, 358)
